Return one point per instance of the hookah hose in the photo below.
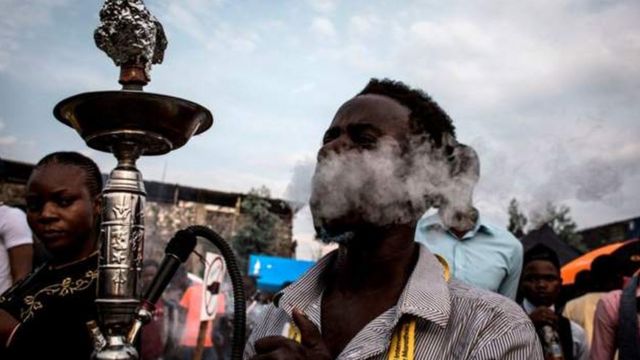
(239, 305)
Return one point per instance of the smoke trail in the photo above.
(387, 185)
(299, 188)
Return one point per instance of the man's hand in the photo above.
(312, 346)
(543, 316)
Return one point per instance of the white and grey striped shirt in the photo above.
(454, 320)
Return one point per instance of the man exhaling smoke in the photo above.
(385, 183)
(382, 295)
(367, 185)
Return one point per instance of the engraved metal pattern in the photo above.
(130, 35)
(122, 236)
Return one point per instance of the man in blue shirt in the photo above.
(479, 253)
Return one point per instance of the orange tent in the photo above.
(570, 269)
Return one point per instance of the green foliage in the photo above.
(517, 219)
(258, 231)
(558, 217)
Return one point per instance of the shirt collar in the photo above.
(434, 221)
(426, 294)
(529, 307)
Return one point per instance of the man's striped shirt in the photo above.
(453, 320)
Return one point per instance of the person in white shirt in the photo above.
(540, 287)
(16, 246)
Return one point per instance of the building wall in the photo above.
(609, 233)
(12, 194)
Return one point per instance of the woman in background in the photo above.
(45, 315)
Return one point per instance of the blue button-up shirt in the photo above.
(487, 256)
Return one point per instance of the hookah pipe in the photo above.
(177, 251)
(131, 123)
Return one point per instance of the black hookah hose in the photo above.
(239, 305)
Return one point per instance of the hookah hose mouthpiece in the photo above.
(177, 251)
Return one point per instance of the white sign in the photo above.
(214, 272)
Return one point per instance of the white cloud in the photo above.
(363, 25)
(238, 40)
(201, 21)
(304, 88)
(18, 18)
(8, 140)
(186, 20)
(323, 28)
(323, 6)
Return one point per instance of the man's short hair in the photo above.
(426, 116)
(541, 252)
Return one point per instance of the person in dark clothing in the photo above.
(540, 286)
(46, 314)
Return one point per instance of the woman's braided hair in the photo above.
(93, 178)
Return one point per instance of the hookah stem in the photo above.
(239, 305)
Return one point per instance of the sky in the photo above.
(547, 92)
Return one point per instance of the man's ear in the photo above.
(464, 162)
(449, 143)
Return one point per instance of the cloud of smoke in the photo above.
(590, 180)
(387, 185)
(456, 194)
(299, 188)
(591, 173)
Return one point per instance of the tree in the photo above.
(517, 219)
(558, 217)
(258, 232)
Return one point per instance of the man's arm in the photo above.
(509, 286)
(15, 233)
(519, 343)
(21, 261)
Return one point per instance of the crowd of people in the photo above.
(401, 285)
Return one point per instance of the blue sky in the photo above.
(548, 92)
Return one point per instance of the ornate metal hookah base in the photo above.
(128, 123)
